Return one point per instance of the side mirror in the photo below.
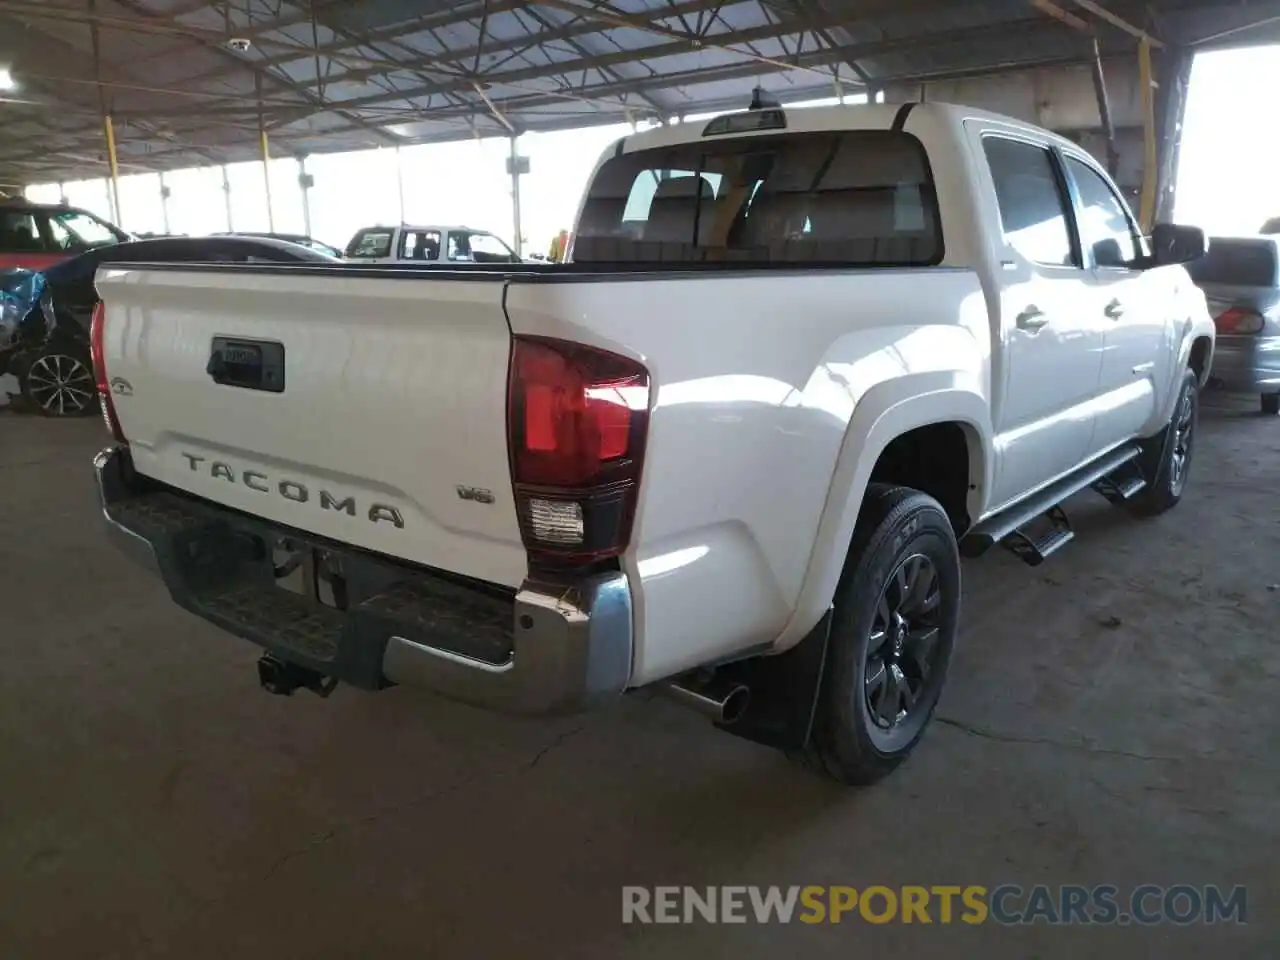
(1107, 253)
(1174, 244)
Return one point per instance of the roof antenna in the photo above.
(760, 100)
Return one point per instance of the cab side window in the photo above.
(370, 244)
(1033, 207)
(420, 245)
(1105, 225)
(20, 233)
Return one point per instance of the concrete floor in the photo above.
(1111, 717)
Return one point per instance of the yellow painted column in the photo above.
(1150, 166)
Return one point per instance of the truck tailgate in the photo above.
(389, 432)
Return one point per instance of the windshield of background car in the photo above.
(74, 229)
(860, 198)
(1239, 262)
(370, 244)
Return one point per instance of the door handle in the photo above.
(1032, 318)
(1114, 310)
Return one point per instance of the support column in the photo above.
(516, 165)
(400, 183)
(304, 183)
(1150, 162)
(1104, 111)
(164, 203)
(1171, 103)
(266, 155)
(109, 129)
(266, 178)
(226, 194)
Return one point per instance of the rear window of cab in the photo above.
(857, 198)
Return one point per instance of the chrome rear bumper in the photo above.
(556, 646)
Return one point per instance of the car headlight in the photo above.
(10, 314)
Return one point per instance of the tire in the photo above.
(1167, 460)
(902, 535)
(57, 380)
(1271, 404)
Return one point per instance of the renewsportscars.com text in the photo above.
(1104, 904)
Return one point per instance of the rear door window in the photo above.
(420, 245)
(1032, 201)
(371, 244)
(20, 232)
(859, 198)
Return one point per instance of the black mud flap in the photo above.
(784, 692)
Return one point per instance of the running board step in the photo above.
(1121, 486)
(995, 529)
(1035, 542)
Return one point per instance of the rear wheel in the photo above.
(1271, 404)
(893, 628)
(59, 382)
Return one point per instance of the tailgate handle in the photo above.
(247, 364)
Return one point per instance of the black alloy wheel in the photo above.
(902, 652)
(893, 627)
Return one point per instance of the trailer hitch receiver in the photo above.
(279, 677)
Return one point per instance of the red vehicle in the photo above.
(35, 236)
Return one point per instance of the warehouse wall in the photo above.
(1062, 99)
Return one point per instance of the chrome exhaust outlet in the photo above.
(721, 703)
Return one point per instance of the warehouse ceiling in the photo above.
(191, 82)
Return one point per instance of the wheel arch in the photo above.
(911, 408)
(1200, 357)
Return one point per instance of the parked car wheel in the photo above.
(58, 381)
(893, 628)
(1167, 459)
(1271, 404)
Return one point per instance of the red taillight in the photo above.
(576, 424)
(1238, 320)
(98, 355)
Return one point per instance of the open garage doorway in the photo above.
(1229, 170)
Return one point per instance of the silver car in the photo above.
(1240, 277)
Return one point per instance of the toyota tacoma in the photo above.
(798, 364)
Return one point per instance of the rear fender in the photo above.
(887, 411)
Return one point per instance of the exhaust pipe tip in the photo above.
(723, 704)
(735, 704)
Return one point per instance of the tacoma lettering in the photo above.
(294, 491)
(328, 502)
(380, 512)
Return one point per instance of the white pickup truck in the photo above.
(800, 364)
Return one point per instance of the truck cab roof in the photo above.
(869, 116)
